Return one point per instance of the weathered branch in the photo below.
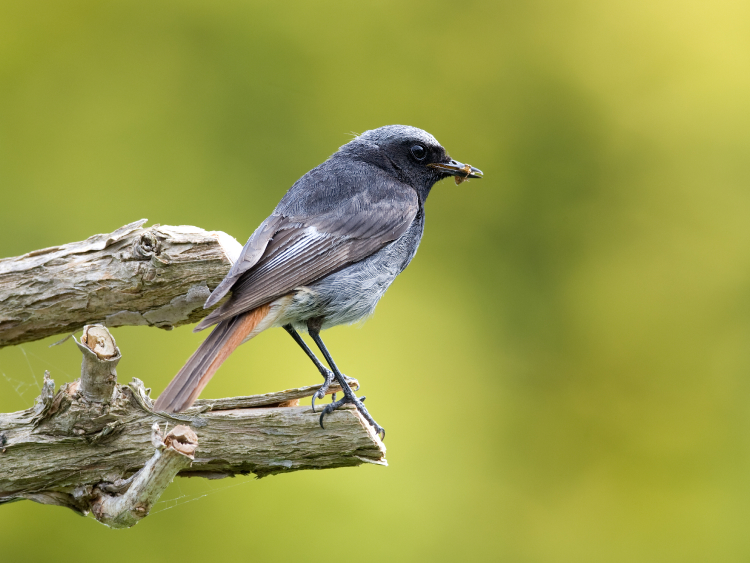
(96, 445)
(158, 276)
(172, 454)
(79, 447)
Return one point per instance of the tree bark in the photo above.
(158, 276)
(96, 446)
(123, 510)
(87, 451)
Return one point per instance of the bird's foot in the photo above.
(351, 382)
(329, 376)
(351, 398)
(320, 393)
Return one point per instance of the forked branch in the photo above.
(96, 446)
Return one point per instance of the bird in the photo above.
(325, 256)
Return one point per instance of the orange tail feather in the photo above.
(185, 387)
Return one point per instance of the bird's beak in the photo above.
(460, 170)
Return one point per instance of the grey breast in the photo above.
(351, 294)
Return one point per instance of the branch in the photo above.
(172, 454)
(100, 357)
(158, 276)
(90, 448)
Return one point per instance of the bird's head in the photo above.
(414, 155)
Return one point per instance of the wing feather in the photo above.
(310, 236)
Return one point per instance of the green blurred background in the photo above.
(563, 369)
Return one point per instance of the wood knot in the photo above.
(146, 246)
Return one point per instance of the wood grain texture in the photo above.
(59, 450)
(159, 276)
(92, 445)
(125, 503)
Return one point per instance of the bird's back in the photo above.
(336, 215)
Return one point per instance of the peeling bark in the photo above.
(78, 448)
(95, 446)
(126, 509)
(158, 276)
(65, 441)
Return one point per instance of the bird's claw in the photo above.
(321, 393)
(351, 381)
(348, 386)
(359, 404)
(329, 377)
(330, 407)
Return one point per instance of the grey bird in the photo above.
(325, 256)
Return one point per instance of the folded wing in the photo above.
(303, 241)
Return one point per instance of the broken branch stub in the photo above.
(100, 357)
(172, 455)
(71, 449)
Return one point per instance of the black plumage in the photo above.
(326, 255)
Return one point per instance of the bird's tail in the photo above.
(198, 370)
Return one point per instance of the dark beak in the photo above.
(458, 169)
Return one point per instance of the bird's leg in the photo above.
(327, 374)
(324, 371)
(313, 328)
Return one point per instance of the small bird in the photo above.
(325, 256)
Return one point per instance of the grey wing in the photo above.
(301, 251)
(251, 253)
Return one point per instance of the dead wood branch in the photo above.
(158, 276)
(92, 445)
(172, 454)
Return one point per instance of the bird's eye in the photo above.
(419, 152)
